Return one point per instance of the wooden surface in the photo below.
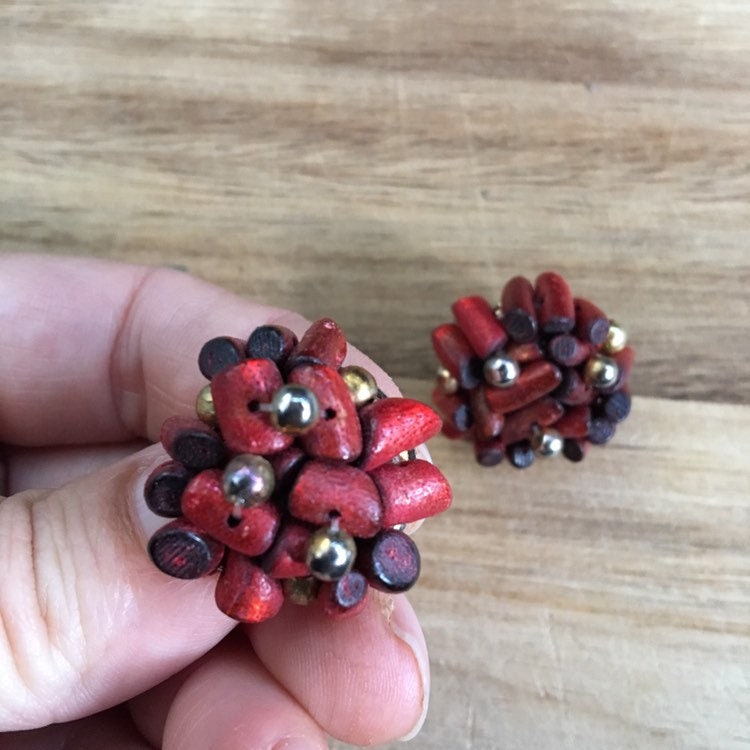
(374, 161)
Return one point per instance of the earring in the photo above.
(543, 373)
(296, 478)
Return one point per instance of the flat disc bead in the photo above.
(345, 597)
(245, 592)
(193, 443)
(164, 487)
(218, 354)
(182, 550)
(390, 562)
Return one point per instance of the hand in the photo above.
(93, 639)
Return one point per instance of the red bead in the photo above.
(245, 592)
(323, 344)
(203, 502)
(337, 433)
(536, 380)
(525, 353)
(271, 342)
(452, 433)
(182, 550)
(393, 425)
(410, 491)
(326, 488)
(453, 408)
(390, 562)
(287, 557)
(568, 350)
(519, 313)
(478, 322)
(554, 300)
(575, 422)
(219, 354)
(592, 325)
(574, 390)
(192, 442)
(489, 452)
(520, 424)
(456, 355)
(487, 423)
(345, 597)
(237, 393)
(164, 488)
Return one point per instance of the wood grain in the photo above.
(376, 161)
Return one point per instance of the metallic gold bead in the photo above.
(294, 409)
(301, 591)
(361, 384)
(500, 370)
(447, 383)
(601, 371)
(547, 443)
(204, 406)
(617, 339)
(248, 480)
(330, 553)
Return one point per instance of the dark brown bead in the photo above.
(323, 343)
(193, 443)
(568, 350)
(601, 430)
(271, 342)
(478, 322)
(575, 450)
(390, 561)
(489, 452)
(521, 455)
(592, 325)
(220, 353)
(554, 301)
(517, 306)
(182, 550)
(164, 488)
(286, 467)
(345, 597)
(456, 354)
(616, 407)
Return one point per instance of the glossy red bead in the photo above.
(237, 393)
(203, 502)
(323, 343)
(518, 310)
(519, 425)
(478, 322)
(453, 408)
(393, 425)
(536, 380)
(410, 491)
(575, 422)
(245, 592)
(328, 488)
(287, 556)
(337, 433)
(456, 354)
(487, 423)
(554, 300)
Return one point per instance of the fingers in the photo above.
(104, 352)
(365, 680)
(228, 701)
(87, 621)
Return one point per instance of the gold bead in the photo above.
(617, 339)
(301, 591)
(547, 443)
(361, 384)
(330, 553)
(446, 382)
(204, 405)
(601, 371)
(500, 370)
(294, 409)
(248, 481)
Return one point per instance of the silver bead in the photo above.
(500, 370)
(601, 371)
(294, 409)
(248, 480)
(547, 443)
(330, 553)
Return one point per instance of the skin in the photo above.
(97, 647)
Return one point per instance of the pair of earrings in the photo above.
(298, 475)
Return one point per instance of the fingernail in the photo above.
(404, 623)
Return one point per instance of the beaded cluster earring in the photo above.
(540, 374)
(295, 479)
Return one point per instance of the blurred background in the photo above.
(375, 161)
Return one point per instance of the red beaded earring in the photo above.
(543, 373)
(295, 480)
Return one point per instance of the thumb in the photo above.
(81, 603)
